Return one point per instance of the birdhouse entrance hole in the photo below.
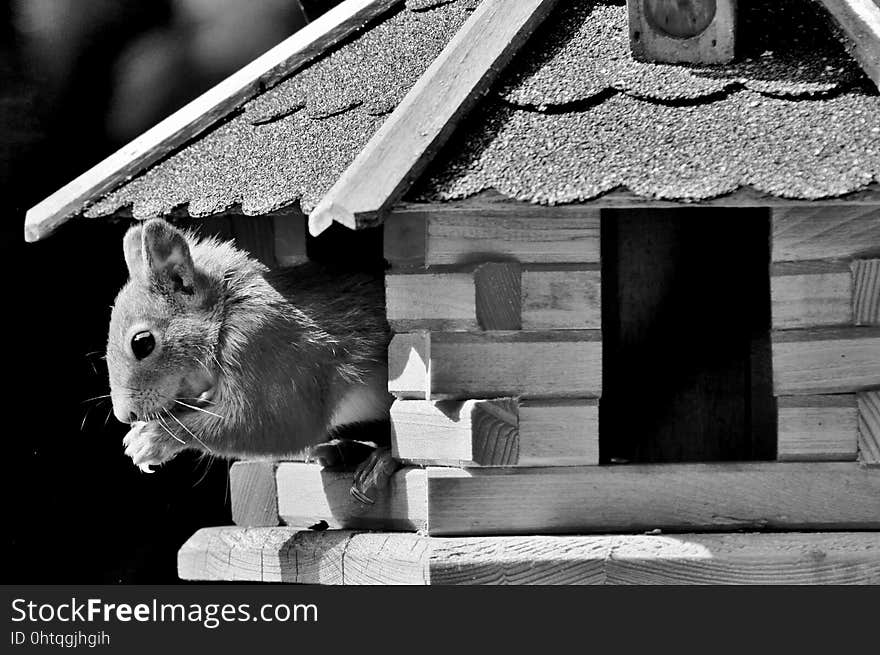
(686, 330)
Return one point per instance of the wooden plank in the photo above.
(530, 237)
(290, 239)
(404, 239)
(696, 32)
(866, 296)
(436, 301)
(756, 559)
(559, 432)
(869, 428)
(860, 22)
(498, 295)
(449, 365)
(194, 118)
(458, 433)
(773, 496)
(409, 358)
(817, 428)
(822, 232)
(829, 360)
(419, 126)
(309, 495)
(560, 298)
(253, 494)
(288, 555)
(256, 235)
(811, 294)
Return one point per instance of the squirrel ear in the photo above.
(131, 249)
(165, 252)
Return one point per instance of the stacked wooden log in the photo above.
(825, 289)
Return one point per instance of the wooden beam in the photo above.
(556, 297)
(825, 232)
(497, 432)
(290, 239)
(860, 22)
(866, 294)
(449, 365)
(822, 361)
(289, 555)
(309, 495)
(419, 126)
(194, 118)
(869, 428)
(811, 294)
(253, 494)
(817, 428)
(772, 496)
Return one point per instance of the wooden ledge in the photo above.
(342, 557)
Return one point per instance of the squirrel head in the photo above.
(164, 327)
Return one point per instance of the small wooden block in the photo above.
(541, 238)
(689, 31)
(253, 494)
(404, 239)
(309, 495)
(817, 428)
(290, 239)
(827, 232)
(559, 433)
(866, 297)
(561, 298)
(409, 365)
(458, 433)
(823, 361)
(811, 294)
(435, 301)
(498, 292)
(869, 428)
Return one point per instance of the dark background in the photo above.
(78, 79)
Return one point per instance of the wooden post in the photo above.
(676, 31)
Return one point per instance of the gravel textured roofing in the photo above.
(293, 141)
(576, 117)
(573, 117)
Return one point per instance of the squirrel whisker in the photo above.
(199, 409)
(161, 422)
(188, 430)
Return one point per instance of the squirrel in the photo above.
(209, 349)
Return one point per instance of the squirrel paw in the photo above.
(149, 445)
(373, 474)
(341, 454)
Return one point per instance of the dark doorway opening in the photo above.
(686, 336)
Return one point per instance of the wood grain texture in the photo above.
(256, 235)
(457, 433)
(825, 232)
(499, 296)
(351, 558)
(253, 494)
(526, 235)
(194, 118)
(431, 301)
(811, 294)
(419, 126)
(817, 428)
(308, 494)
(869, 428)
(560, 363)
(860, 22)
(866, 295)
(409, 359)
(290, 239)
(826, 360)
(773, 496)
(559, 432)
(561, 298)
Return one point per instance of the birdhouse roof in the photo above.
(570, 117)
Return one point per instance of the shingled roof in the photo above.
(572, 118)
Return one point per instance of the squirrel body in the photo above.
(209, 349)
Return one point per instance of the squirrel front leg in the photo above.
(150, 444)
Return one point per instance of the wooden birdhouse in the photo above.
(626, 297)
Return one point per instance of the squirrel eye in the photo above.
(142, 344)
